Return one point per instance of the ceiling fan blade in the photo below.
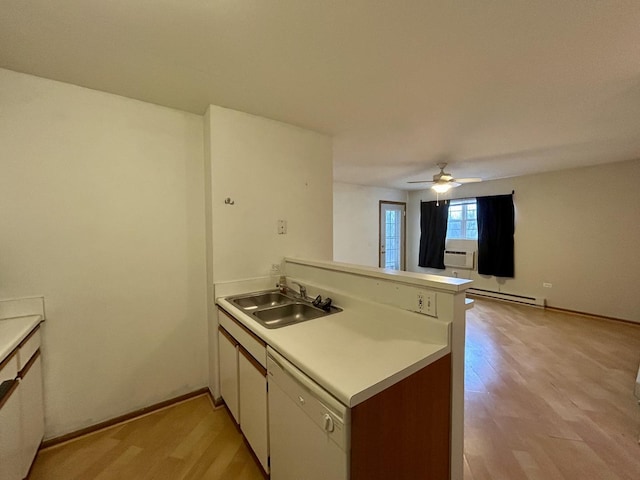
(421, 181)
(468, 180)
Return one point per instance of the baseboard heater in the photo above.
(508, 297)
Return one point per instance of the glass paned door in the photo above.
(392, 235)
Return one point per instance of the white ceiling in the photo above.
(497, 87)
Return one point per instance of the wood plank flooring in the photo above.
(189, 441)
(548, 396)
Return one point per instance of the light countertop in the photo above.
(435, 282)
(14, 330)
(359, 352)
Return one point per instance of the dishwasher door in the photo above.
(308, 428)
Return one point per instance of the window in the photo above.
(462, 223)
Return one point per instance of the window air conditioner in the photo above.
(459, 259)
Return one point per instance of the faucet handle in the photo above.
(317, 301)
(326, 305)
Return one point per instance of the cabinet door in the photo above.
(32, 411)
(228, 358)
(253, 406)
(10, 438)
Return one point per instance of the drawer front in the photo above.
(9, 367)
(251, 343)
(28, 347)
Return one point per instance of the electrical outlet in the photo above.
(420, 304)
(275, 268)
(547, 285)
(426, 302)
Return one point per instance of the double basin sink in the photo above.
(273, 309)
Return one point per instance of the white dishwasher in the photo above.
(308, 428)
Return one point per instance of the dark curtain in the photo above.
(433, 230)
(496, 225)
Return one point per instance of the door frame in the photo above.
(403, 259)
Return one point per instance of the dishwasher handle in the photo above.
(329, 426)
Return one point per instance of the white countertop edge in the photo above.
(349, 399)
(398, 377)
(14, 330)
(436, 282)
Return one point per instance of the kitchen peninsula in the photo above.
(393, 358)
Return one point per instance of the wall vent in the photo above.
(459, 259)
(508, 297)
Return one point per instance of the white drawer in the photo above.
(250, 341)
(9, 368)
(28, 347)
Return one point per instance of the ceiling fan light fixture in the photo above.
(443, 182)
(441, 187)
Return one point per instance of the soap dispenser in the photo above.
(282, 284)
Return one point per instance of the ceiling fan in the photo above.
(443, 181)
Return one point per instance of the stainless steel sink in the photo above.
(288, 314)
(262, 299)
(273, 309)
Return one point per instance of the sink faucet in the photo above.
(303, 290)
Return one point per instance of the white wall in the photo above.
(576, 229)
(271, 171)
(102, 212)
(356, 221)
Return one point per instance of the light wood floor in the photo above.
(548, 396)
(189, 441)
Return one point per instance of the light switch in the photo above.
(282, 227)
(429, 303)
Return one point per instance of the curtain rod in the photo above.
(513, 192)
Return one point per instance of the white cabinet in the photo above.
(32, 411)
(10, 437)
(253, 406)
(228, 362)
(9, 367)
(31, 400)
(21, 408)
(243, 382)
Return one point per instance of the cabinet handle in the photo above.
(253, 361)
(29, 364)
(6, 389)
